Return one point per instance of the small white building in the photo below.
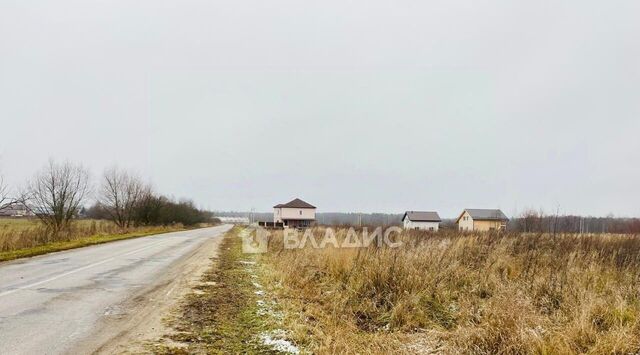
(423, 220)
(234, 220)
(295, 213)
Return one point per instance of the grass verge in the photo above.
(78, 243)
(229, 312)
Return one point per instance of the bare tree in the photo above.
(120, 195)
(5, 200)
(57, 192)
(531, 221)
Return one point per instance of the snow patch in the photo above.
(276, 341)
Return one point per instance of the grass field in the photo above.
(27, 237)
(17, 224)
(455, 293)
(229, 312)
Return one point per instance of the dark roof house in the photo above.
(478, 214)
(295, 213)
(422, 216)
(295, 203)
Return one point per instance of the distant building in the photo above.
(16, 210)
(422, 220)
(294, 214)
(481, 220)
(234, 220)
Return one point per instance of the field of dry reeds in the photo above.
(496, 293)
(23, 237)
(28, 233)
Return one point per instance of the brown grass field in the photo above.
(463, 293)
(22, 233)
(28, 237)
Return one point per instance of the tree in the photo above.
(97, 212)
(150, 208)
(120, 196)
(5, 200)
(56, 193)
(531, 221)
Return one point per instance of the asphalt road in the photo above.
(51, 303)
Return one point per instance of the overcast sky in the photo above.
(350, 105)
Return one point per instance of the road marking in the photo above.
(6, 293)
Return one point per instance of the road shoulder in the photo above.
(230, 311)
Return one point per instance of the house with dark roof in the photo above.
(423, 220)
(294, 214)
(16, 210)
(474, 219)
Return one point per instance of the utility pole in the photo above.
(580, 226)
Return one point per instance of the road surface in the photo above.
(87, 300)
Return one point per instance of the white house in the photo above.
(295, 214)
(423, 220)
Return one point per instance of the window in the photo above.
(301, 212)
(431, 229)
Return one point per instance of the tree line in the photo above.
(532, 221)
(57, 195)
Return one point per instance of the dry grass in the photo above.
(27, 233)
(222, 315)
(27, 237)
(454, 293)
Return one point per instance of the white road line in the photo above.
(6, 293)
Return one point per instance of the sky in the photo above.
(363, 106)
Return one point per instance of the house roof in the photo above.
(484, 214)
(422, 216)
(295, 203)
